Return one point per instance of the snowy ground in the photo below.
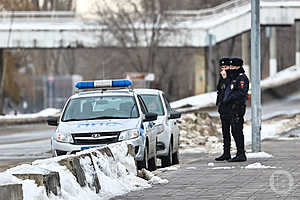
(117, 175)
(44, 113)
(201, 133)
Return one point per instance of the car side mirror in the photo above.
(52, 121)
(175, 115)
(150, 117)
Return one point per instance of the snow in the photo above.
(192, 150)
(258, 165)
(191, 168)
(27, 169)
(200, 101)
(209, 99)
(44, 113)
(171, 168)
(117, 176)
(259, 155)
(223, 167)
(8, 179)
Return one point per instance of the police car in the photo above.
(168, 139)
(103, 112)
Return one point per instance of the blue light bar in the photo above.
(103, 84)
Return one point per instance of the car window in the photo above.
(142, 103)
(106, 107)
(167, 103)
(153, 103)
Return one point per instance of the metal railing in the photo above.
(217, 9)
(209, 11)
(37, 14)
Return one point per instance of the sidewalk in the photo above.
(197, 180)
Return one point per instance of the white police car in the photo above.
(104, 115)
(168, 139)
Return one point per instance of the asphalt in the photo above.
(196, 180)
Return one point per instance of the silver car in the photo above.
(100, 117)
(168, 139)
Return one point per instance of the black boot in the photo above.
(240, 157)
(223, 157)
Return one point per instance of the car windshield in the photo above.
(107, 107)
(153, 103)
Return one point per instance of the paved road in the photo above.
(197, 180)
(23, 144)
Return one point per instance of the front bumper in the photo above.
(61, 148)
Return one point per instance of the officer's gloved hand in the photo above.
(223, 74)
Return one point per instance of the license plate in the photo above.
(89, 147)
(84, 148)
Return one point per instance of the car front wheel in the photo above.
(166, 161)
(144, 163)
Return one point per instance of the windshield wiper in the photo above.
(106, 117)
(73, 119)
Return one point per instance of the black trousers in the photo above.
(226, 123)
(237, 125)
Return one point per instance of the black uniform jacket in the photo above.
(236, 95)
(224, 111)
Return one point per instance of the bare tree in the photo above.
(133, 25)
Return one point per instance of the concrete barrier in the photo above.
(11, 192)
(50, 181)
(86, 167)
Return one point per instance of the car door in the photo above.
(172, 124)
(149, 129)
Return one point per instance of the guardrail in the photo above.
(37, 14)
(209, 11)
(218, 9)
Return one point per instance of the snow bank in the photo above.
(198, 129)
(259, 155)
(258, 165)
(40, 117)
(199, 101)
(209, 99)
(117, 175)
(273, 128)
(152, 179)
(44, 113)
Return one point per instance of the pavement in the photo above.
(196, 180)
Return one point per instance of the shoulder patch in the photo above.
(242, 84)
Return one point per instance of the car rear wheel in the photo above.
(152, 163)
(175, 158)
(166, 161)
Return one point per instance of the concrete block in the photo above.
(51, 181)
(11, 192)
(73, 164)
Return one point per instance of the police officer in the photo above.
(224, 111)
(235, 97)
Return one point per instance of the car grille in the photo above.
(95, 138)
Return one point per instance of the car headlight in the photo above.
(63, 137)
(128, 134)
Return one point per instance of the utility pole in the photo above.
(255, 76)
(2, 74)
